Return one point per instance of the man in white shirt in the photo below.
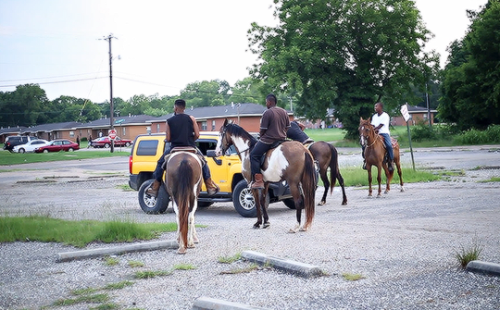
(380, 121)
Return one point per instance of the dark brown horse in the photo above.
(375, 154)
(327, 157)
(183, 184)
(290, 162)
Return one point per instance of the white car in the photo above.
(30, 146)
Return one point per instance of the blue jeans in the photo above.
(388, 145)
(158, 173)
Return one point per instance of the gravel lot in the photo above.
(402, 244)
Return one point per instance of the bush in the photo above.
(423, 132)
(473, 136)
(493, 134)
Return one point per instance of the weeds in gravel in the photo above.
(124, 187)
(492, 179)
(248, 269)
(111, 261)
(107, 306)
(135, 264)
(151, 274)
(352, 276)
(97, 298)
(229, 259)
(118, 285)
(467, 254)
(184, 267)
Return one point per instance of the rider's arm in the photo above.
(195, 128)
(167, 133)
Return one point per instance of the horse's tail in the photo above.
(334, 167)
(309, 184)
(183, 195)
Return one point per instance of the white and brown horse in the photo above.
(290, 162)
(183, 184)
(375, 154)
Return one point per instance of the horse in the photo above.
(375, 154)
(327, 157)
(183, 184)
(290, 162)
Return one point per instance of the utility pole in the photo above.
(428, 106)
(111, 118)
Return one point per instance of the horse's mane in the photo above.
(239, 131)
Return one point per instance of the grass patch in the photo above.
(229, 259)
(77, 233)
(124, 187)
(466, 255)
(248, 269)
(118, 285)
(107, 306)
(111, 261)
(97, 298)
(7, 158)
(352, 276)
(135, 264)
(492, 179)
(184, 267)
(151, 274)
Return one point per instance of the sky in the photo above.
(158, 46)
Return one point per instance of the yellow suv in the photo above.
(225, 171)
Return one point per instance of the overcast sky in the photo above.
(160, 46)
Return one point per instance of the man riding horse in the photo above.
(380, 121)
(273, 127)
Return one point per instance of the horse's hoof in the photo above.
(344, 203)
(181, 251)
(402, 189)
(190, 246)
(386, 192)
(266, 225)
(321, 203)
(256, 226)
(303, 229)
(292, 231)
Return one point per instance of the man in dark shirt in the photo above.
(296, 133)
(273, 127)
(185, 134)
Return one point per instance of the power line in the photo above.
(56, 82)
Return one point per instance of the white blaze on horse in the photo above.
(290, 162)
(375, 156)
(183, 184)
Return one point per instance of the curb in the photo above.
(206, 303)
(147, 246)
(301, 269)
(483, 267)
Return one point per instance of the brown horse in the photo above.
(375, 154)
(183, 184)
(290, 162)
(327, 157)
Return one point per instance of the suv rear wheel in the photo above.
(153, 205)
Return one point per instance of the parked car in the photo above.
(225, 171)
(31, 146)
(106, 142)
(58, 146)
(12, 141)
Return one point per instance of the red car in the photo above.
(58, 146)
(106, 142)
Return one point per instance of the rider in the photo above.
(273, 127)
(185, 134)
(380, 121)
(296, 133)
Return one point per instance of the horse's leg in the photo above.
(257, 193)
(326, 183)
(400, 172)
(388, 176)
(192, 236)
(379, 179)
(263, 201)
(341, 183)
(369, 169)
(299, 205)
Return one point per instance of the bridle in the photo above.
(223, 142)
(365, 138)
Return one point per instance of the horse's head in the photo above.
(365, 129)
(224, 141)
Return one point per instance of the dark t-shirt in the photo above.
(295, 133)
(275, 122)
(181, 130)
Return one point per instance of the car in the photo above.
(106, 142)
(58, 146)
(12, 141)
(225, 171)
(30, 146)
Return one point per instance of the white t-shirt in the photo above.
(381, 119)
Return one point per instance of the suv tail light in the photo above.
(130, 161)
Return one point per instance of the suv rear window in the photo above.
(147, 148)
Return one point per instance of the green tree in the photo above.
(246, 91)
(471, 79)
(205, 93)
(27, 105)
(345, 55)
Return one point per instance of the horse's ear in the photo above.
(361, 119)
(225, 123)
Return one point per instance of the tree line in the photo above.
(344, 55)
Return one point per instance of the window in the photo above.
(72, 134)
(147, 148)
(204, 125)
(213, 125)
(124, 131)
(157, 127)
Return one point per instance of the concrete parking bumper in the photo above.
(483, 267)
(287, 265)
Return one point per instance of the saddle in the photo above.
(273, 146)
(189, 149)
